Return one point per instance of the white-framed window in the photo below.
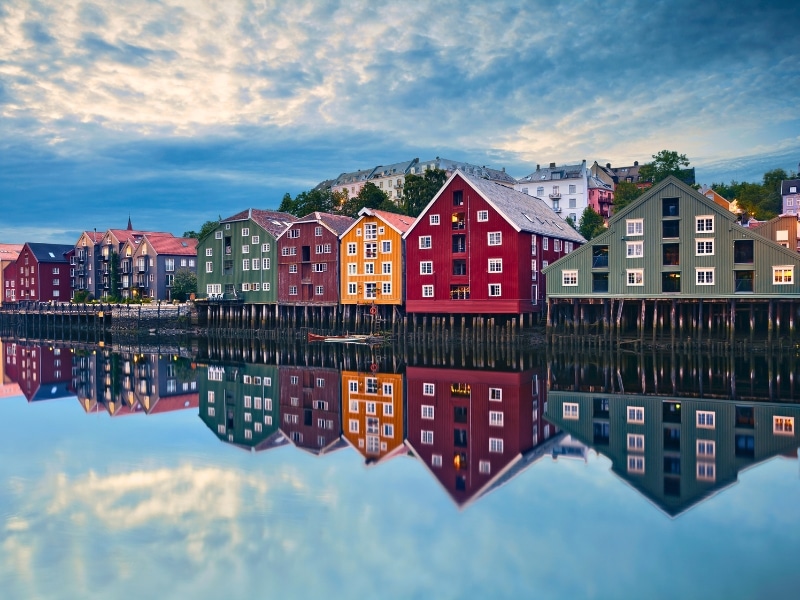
(436, 460)
(354, 403)
(704, 247)
(265, 263)
(545, 243)
(209, 267)
(427, 291)
(495, 265)
(255, 264)
(426, 267)
(386, 288)
(636, 464)
(495, 238)
(352, 268)
(293, 290)
(209, 252)
(370, 250)
(704, 224)
(245, 231)
(265, 247)
(353, 425)
(245, 249)
(388, 409)
(245, 264)
(352, 289)
(634, 249)
(484, 467)
(254, 239)
(635, 276)
(495, 290)
(386, 246)
(370, 231)
(318, 231)
(428, 389)
(636, 415)
(495, 445)
(557, 245)
(388, 430)
(705, 419)
(318, 249)
(424, 242)
(352, 385)
(783, 275)
(426, 437)
(570, 410)
(433, 219)
(293, 268)
(705, 276)
(320, 267)
(483, 216)
(635, 442)
(386, 268)
(387, 390)
(352, 249)
(369, 268)
(496, 418)
(533, 245)
(783, 425)
(634, 226)
(427, 411)
(218, 235)
(495, 394)
(319, 290)
(245, 287)
(569, 277)
(706, 471)
(706, 448)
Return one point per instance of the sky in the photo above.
(174, 112)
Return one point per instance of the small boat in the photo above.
(346, 339)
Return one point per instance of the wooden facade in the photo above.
(42, 273)
(238, 259)
(308, 260)
(478, 247)
(372, 414)
(784, 230)
(311, 408)
(372, 265)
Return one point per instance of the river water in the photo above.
(226, 469)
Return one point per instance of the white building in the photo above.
(564, 188)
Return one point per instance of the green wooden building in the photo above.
(666, 257)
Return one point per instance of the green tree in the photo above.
(752, 199)
(369, 196)
(625, 193)
(419, 190)
(287, 204)
(569, 221)
(591, 224)
(729, 191)
(183, 284)
(205, 229)
(114, 286)
(665, 163)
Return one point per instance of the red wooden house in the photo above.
(43, 372)
(43, 272)
(474, 429)
(308, 260)
(479, 247)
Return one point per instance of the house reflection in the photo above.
(42, 371)
(676, 449)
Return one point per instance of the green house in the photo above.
(673, 242)
(237, 260)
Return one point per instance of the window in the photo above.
(352, 289)
(495, 418)
(484, 467)
(557, 245)
(570, 410)
(351, 249)
(635, 249)
(293, 290)
(483, 215)
(458, 198)
(427, 437)
(495, 238)
(428, 389)
(369, 268)
(218, 235)
(635, 276)
(669, 207)
(289, 251)
(636, 415)
(209, 267)
(706, 448)
(705, 419)
(318, 231)
(318, 249)
(433, 219)
(634, 226)
(783, 275)
(495, 445)
(255, 264)
(245, 249)
(495, 394)
(705, 247)
(245, 231)
(706, 471)
(293, 268)
(386, 288)
(265, 247)
(209, 252)
(545, 243)
(636, 442)
(386, 268)
(245, 264)
(352, 268)
(353, 425)
(386, 246)
(783, 425)
(704, 224)
(370, 250)
(705, 276)
(636, 464)
(265, 263)
(320, 267)
(436, 460)
(424, 242)
(569, 278)
(427, 411)
(495, 265)
(427, 291)
(319, 290)
(495, 290)
(388, 430)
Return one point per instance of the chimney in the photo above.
(504, 169)
(636, 163)
(608, 165)
(552, 165)
(538, 167)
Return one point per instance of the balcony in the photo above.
(556, 209)
(555, 195)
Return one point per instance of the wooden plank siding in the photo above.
(577, 275)
(377, 398)
(310, 407)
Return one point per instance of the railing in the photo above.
(555, 195)
(600, 262)
(744, 285)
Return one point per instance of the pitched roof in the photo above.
(523, 212)
(50, 252)
(169, 244)
(273, 221)
(338, 224)
(787, 184)
(570, 171)
(124, 235)
(10, 251)
(400, 223)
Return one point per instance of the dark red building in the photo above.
(479, 247)
(42, 371)
(472, 428)
(43, 272)
(308, 260)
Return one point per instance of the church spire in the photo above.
(130, 225)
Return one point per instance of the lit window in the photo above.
(783, 275)
(783, 425)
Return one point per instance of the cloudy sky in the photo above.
(179, 111)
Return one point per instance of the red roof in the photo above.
(169, 244)
(125, 235)
(400, 222)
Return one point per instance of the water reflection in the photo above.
(676, 427)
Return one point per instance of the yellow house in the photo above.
(372, 257)
(372, 414)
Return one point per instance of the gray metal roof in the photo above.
(555, 172)
(50, 252)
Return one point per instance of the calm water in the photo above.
(133, 474)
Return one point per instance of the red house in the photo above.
(474, 429)
(308, 260)
(43, 372)
(43, 272)
(479, 247)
